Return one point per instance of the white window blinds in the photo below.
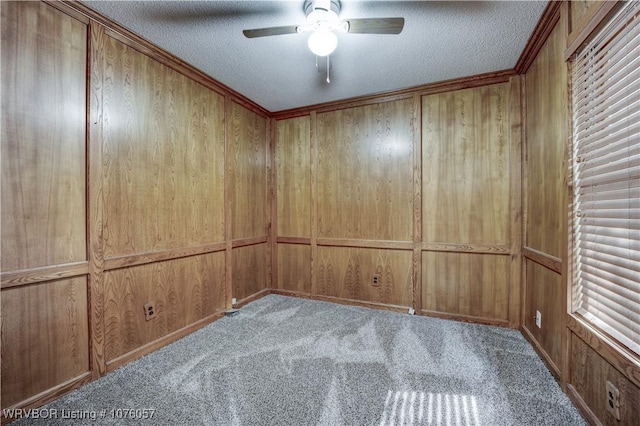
(606, 178)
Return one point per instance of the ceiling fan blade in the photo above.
(272, 31)
(376, 25)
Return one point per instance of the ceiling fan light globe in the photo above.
(322, 43)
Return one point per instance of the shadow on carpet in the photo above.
(290, 361)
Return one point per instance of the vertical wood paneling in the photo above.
(348, 273)
(183, 291)
(44, 337)
(293, 157)
(163, 156)
(95, 203)
(249, 270)
(544, 292)
(249, 163)
(364, 172)
(465, 160)
(545, 194)
(546, 118)
(589, 373)
(466, 284)
(294, 266)
(42, 137)
(516, 98)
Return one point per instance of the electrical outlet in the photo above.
(150, 311)
(613, 400)
(412, 311)
(234, 301)
(376, 280)
(538, 319)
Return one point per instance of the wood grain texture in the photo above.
(466, 284)
(578, 9)
(364, 172)
(347, 273)
(159, 256)
(249, 173)
(544, 293)
(314, 201)
(591, 17)
(44, 273)
(417, 203)
(249, 270)
(624, 361)
(95, 201)
(546, 135)
(408, 93)
(516, 98)
(43, 137)
(342, 301)
(154, 345)
(465, 162)
(543, 259)
(183, 291)
(163, 150)
(45, 338)
(294, 266)
(588, 375)
(293, 158)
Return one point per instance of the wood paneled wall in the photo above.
(162, 156)
(578, 355)
(545, 195)
(418, 191)
(44, 252)
(144, 183)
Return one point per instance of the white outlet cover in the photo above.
(412, 311)
(234, 301)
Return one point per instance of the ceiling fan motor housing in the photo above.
(326, 5)
(322, 14)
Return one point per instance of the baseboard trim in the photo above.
(465, 318)
(146, 349)
(253, 297)
(342, 301)
(582, 406)
(48, 395)
(542, 353)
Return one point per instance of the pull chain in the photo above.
(328, 66)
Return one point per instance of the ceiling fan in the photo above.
(323, 22)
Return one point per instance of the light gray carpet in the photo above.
(289, 361)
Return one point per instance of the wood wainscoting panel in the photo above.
(293, 164)
(249, 270)
(182, 291)
(348, 273)
(365, 180)
(546, 140)
(465, 166)
(588, 376)
(294, 267)
(466, 284)
(544, 293)
(45, 337)
(44, 56)
(163, 156)
(249, 173)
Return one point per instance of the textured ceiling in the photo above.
(441, 40)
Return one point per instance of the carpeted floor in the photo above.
(289, 361)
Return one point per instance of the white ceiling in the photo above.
(441, 40)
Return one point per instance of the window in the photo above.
(606, 178)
